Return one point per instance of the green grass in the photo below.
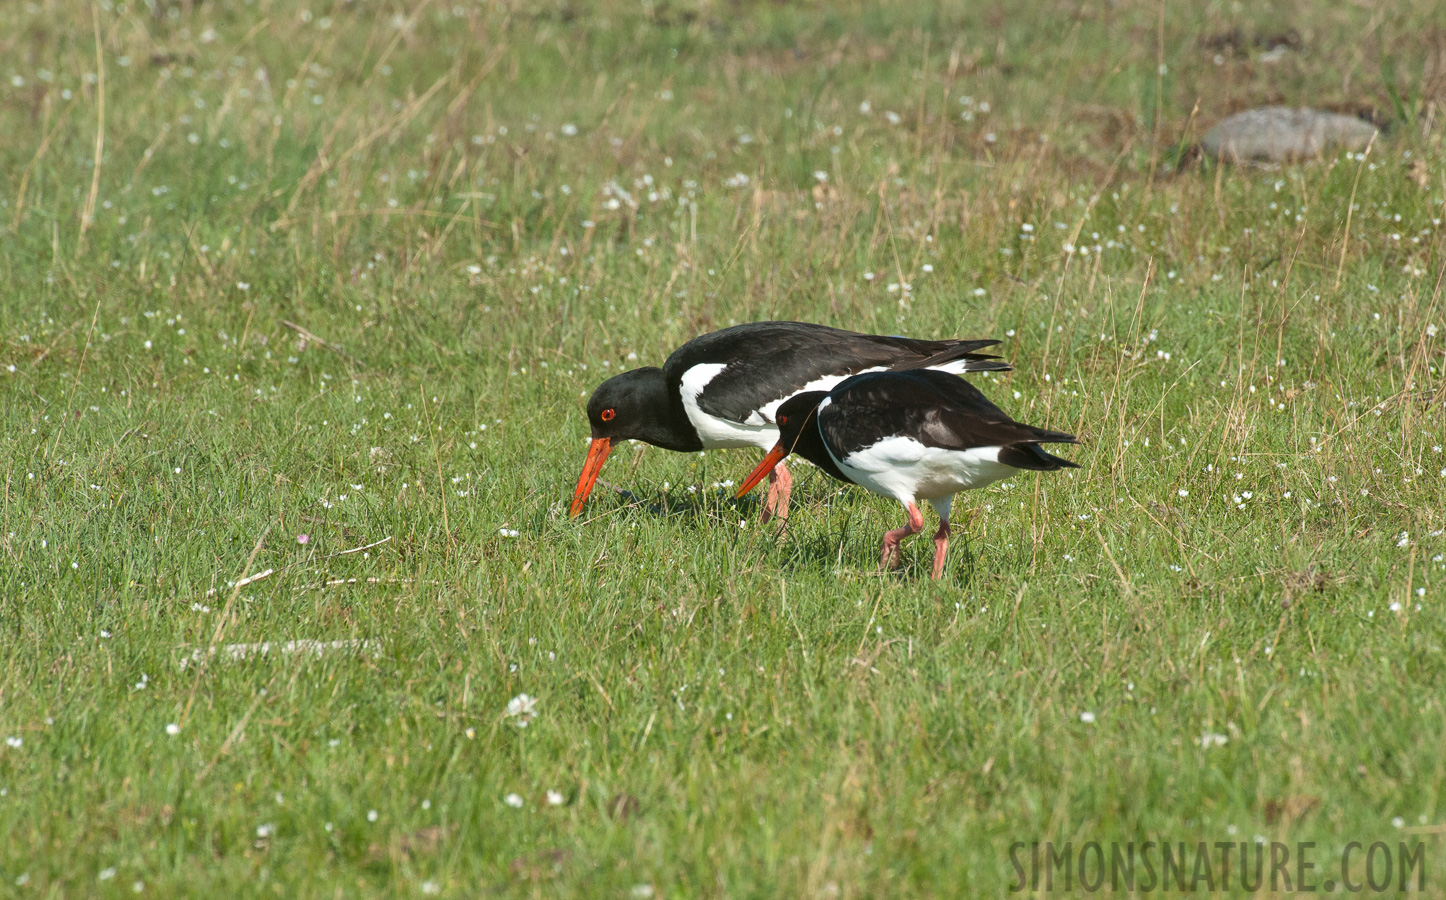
(348, 272)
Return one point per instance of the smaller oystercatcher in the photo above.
(720, 389)
(912, 435)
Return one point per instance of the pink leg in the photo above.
(941, 547)
(780, 487)
(889, 557)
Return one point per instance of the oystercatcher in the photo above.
(721, 389)
(913, 435)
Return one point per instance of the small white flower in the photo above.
(642, 891)
(173, 729)
(243, 286)
(569, 129)
(1398, 822)
(266, 831)
(1211, 739)
(1087, 717)
(371, 815)
(1183, 493)
(555, 799)
(107, 874)
(431, 887)
(1395, 606)
(14, 742)
(513, 800)
(820, 176)
(522, 708)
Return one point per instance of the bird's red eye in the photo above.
(783, 420)
(607, 414)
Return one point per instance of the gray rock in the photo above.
(1279, 133)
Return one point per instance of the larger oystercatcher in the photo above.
(915, 435)
(721, 389)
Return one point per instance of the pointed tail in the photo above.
(962, 357)
(1032, 456)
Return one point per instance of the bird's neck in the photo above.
(668, 425)
(811, 446)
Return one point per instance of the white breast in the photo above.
(903, 468)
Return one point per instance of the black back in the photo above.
(934, 408)
(770, 360)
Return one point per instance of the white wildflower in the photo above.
(522, 708)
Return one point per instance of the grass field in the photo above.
(282, 282)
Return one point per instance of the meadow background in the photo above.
(282, 280)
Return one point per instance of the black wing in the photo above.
(934, 408)
(767, 361)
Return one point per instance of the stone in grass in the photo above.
(1281, 133)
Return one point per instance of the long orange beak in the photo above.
(774, 457)
(597, 454)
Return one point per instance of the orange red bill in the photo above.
(774, 457)
(597, 454)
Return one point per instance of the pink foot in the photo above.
(941, 547)
(780, 488)
(888, 558)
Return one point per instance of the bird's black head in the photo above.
(794, 416)
(636, 405)
(796, 434)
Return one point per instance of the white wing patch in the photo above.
(760, 428)
(828, 382)
(822, 383)
(955, 367)
(718, 433)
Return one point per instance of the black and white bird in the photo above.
(722, 389)
(912, 435)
